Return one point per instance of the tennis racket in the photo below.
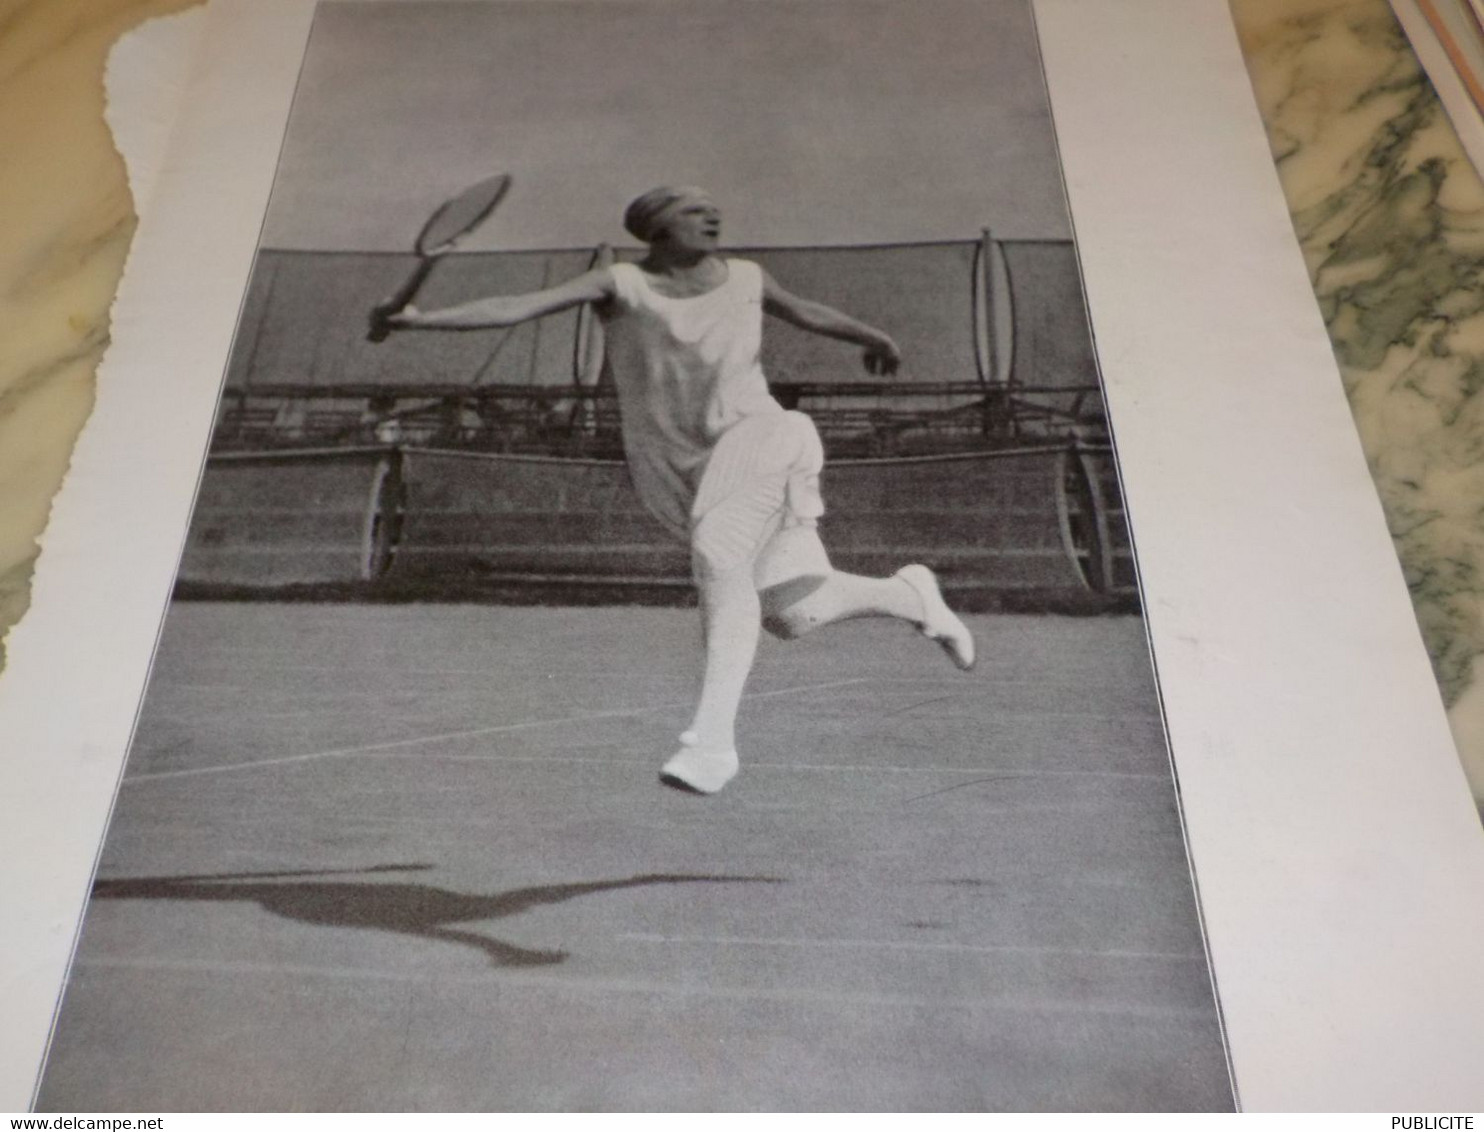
(454, 219)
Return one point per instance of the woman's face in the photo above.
(693, 224)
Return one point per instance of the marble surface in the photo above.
(1388, 211)
(68, 221)
(1390, 215)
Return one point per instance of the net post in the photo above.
(588, 354)
(997, 421)
(983, 299)
(383, 525)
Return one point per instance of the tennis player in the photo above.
(716, 459)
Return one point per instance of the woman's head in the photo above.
(681, 215)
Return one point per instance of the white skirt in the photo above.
(758, 502)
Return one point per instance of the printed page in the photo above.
(797, 556)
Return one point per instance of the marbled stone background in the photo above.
(67, 221)
(1390, 215)
(1388, 211)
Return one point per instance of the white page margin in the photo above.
(1338, 855)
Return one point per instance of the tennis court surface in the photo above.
(417, 857)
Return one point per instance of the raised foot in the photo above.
(939, 623)
(701, 772)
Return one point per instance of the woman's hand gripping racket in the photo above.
(882, 358)
(454, 219)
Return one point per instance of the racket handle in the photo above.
(399, 299)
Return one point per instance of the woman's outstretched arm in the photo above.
(882, 355)
(594, 286)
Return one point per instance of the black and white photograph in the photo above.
(659, 627)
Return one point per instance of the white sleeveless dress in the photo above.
(712, 455)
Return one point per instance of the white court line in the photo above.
(423, 670)
(984, 666)
(910, 945)
(1063, 680)
(506, 977)
(395, 744)
(997, 682)
(852, 768)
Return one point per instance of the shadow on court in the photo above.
(927, 891)
(404, 909)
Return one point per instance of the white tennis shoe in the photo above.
(705, 772)
(939, 623)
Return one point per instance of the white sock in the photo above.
(840, 597)
(730, 612)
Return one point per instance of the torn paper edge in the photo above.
(144, 83)
(144, 86)
(78, 661)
